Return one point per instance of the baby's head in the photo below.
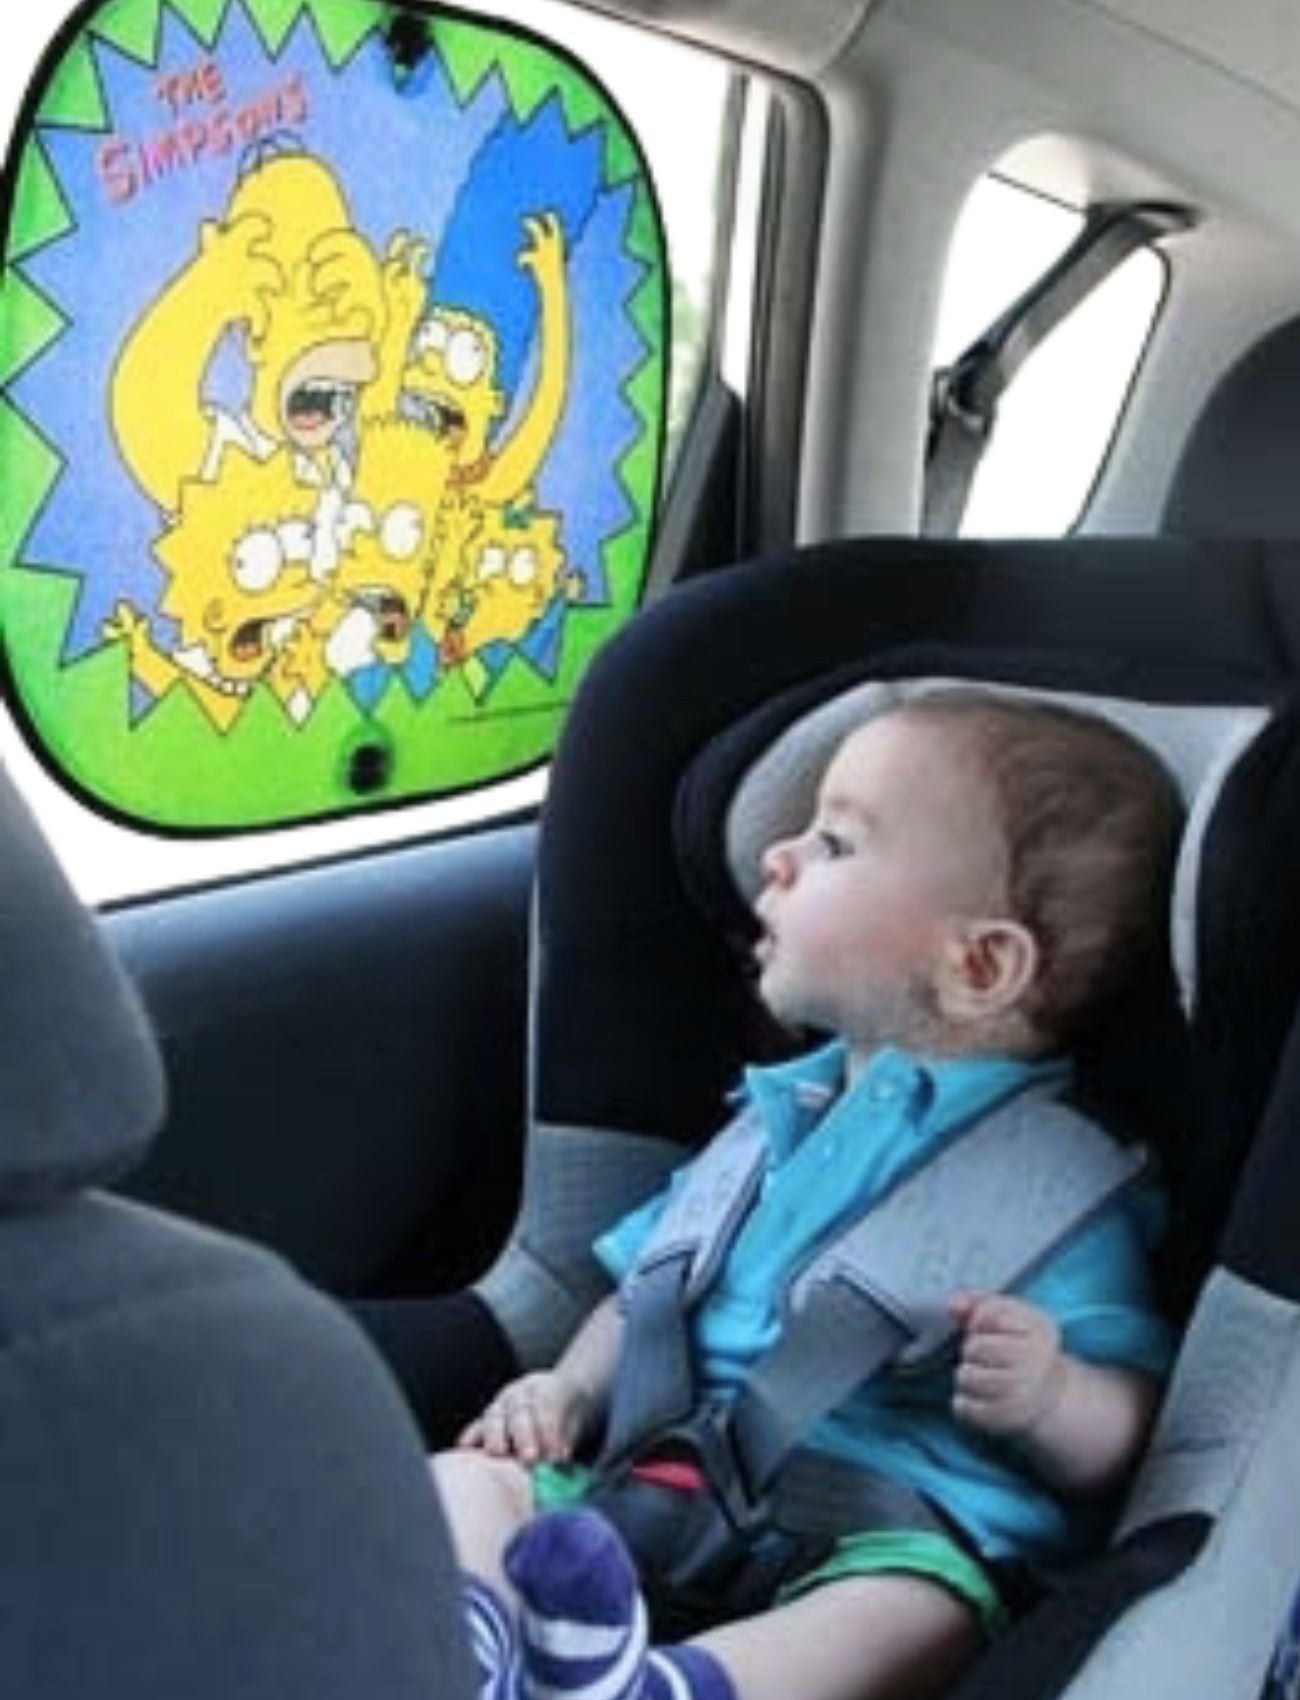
(981, 873)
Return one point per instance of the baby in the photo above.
(981, 877)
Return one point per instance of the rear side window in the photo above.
(332, 400)
(1056, 422)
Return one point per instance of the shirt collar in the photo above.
(792, 1097)
(965, 1086)
(941, 1092)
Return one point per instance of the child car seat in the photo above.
(210, 1487)
(642, 1018)
(1235, 476)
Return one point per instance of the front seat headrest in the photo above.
(81, 1080)
(1236, 476)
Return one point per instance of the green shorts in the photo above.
(879, 1552)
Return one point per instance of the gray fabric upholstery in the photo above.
(1226, 1443)
(82, 1083)
(1241, 1349)
(210, 1487)
(546, 1280)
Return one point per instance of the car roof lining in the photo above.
(1088, 99)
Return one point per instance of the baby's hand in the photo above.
(1012, 1368)
(538, 1418)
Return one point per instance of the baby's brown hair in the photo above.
(1091, 821)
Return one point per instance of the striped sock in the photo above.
(492, 1639)
(583, 1629)
(685, 1673)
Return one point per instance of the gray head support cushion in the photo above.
(1197, 743)
(81, 1077)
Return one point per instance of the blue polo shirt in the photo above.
(832, 1154)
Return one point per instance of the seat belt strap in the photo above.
(965, 396)
(817, 1493)
(978, 1217)
(704, 1212)
(656, 1383)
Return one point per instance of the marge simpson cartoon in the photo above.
(450, 379)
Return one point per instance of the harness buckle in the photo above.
(679, 1474)
(711, 1436)
(705, 1543)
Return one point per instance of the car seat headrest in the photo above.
(80, 1073)
(1236, 474)
(775, 794)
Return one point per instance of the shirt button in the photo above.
(883, 1092)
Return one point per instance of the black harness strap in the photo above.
(817, 1491)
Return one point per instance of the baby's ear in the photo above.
(987, 969)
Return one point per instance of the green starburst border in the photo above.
(171, 770)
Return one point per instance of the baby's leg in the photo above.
(486, 1500)
(879, 1637)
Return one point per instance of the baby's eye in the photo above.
(833, 843)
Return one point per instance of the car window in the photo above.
(1056, 421)
(543, 597)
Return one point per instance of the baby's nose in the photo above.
(780, 861)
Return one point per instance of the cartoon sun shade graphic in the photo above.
(295, 347)
(239, 557)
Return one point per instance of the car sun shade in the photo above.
(332, 395)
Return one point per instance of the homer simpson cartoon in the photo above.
(287, 268)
